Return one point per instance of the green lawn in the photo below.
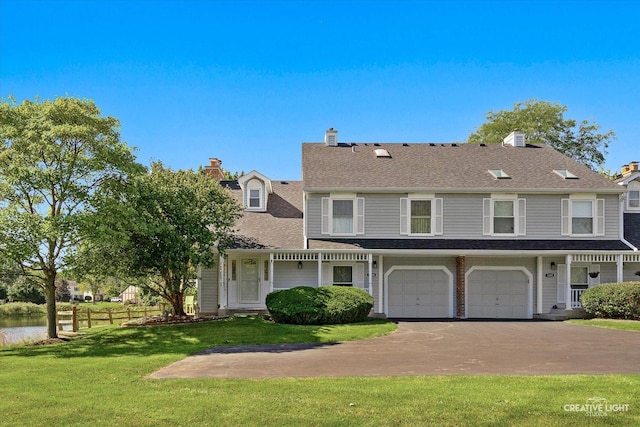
(627, 325)
(99, 380)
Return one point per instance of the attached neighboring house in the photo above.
(430, 230)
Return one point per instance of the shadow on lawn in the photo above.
(229, 335)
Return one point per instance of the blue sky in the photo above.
(248, 81)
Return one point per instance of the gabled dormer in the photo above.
(255, 191)
(630, 179)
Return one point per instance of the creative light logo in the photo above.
(596, 407)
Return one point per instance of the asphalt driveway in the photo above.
(431, 348)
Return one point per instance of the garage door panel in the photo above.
(498, 294)
(418, 293)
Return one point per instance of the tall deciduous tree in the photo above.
(57, 159)
(177, 222)
(544, 123)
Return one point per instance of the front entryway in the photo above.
(249, 289)
(498, 294)
(420, 293)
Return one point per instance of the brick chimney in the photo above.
(215, 168)
(630, 168)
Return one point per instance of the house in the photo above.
(514, 230)
(130, 295)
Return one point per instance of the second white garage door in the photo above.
(415, 293)
(498, 294)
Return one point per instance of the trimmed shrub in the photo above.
(613, 300)
(326, 305)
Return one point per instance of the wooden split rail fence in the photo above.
(91, 317)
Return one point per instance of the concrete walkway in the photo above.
(431, 348)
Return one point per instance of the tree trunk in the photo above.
(177, 301)
(50, 297)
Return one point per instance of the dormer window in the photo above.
(254, 198)
(255, 190)
(633, 199)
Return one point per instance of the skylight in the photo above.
(381, 152)
(564, 173)
(499, 174)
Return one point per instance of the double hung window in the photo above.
(583, 217)
(504, 216)
(343, 216)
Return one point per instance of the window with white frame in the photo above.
(420, 216)
(504, 216)
(255, 199)
(633, 199)
(343, 215)
(583, 217)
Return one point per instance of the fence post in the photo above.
(58, 321)
(110, 316)
(74, 319)
(129, 313)
(89, 318)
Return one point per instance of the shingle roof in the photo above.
(468, 244)
(443, 167)
(279, 227)
(632, 228)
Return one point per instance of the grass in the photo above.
(627, 325)
(99, 380)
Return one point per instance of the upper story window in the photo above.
(254, 198)
(583, 217)
(504, 215)
(420, 215)
(343, 215)
(633, 199)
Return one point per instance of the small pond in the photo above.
(16, 329)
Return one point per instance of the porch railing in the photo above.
(575, 297)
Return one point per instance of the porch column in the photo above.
(271, 263)
(539, 284)
(380, 284)
(568, 276)
(460, 285)
(370, 259)
(319, 269)
(620, 268)
(222, 285)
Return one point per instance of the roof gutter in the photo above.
(458, 190)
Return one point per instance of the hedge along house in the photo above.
(429, 230)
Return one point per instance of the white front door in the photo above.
(249, 289)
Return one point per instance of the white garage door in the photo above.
(498, 294)
(419, 294)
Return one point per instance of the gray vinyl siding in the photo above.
(208, 295)
(629, 273)
(463, 216)
(550, 284)
(286, 274)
